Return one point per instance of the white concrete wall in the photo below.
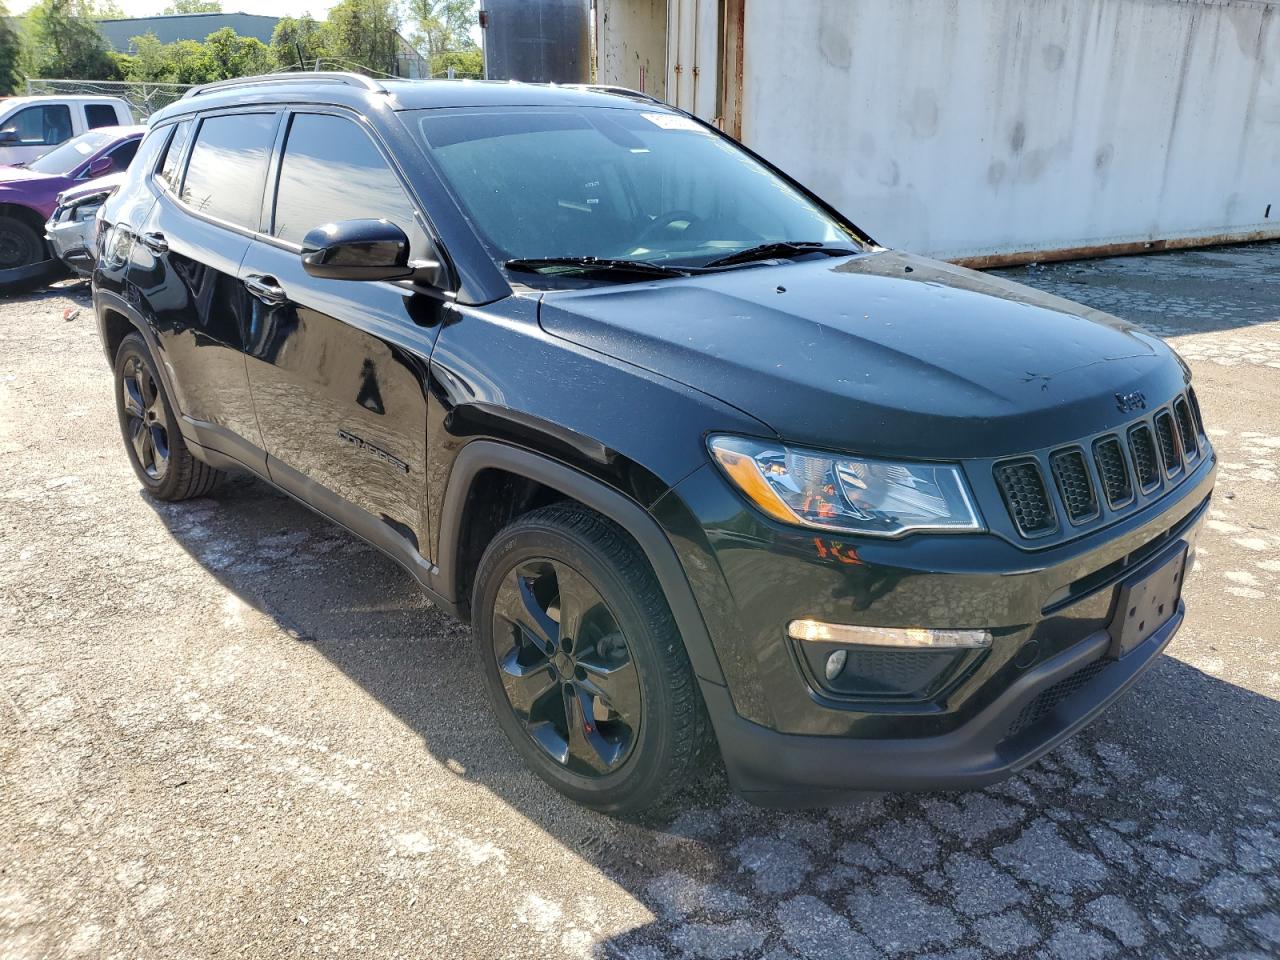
(631, 42)
(965, 128)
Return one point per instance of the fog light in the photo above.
(835, 663)
(917, 638)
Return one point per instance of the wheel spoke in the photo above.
(527, 686)
(578, 600)
(586, 744)
(148, 455)
(160, 449)
(551, 740)
(618, 686)
(132, 395)
(146, 387)
(138, 434)
(518, 603)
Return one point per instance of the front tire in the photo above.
(583, 664)
(159, 456)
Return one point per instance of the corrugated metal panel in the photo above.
(537, 41)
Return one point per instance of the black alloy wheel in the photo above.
(158, 454)
(566, 667)
(584, 668)
(144, 409)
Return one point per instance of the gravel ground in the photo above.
(229, 729)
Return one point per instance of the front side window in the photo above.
(100, 115)
(61, 161)
(46, 125)
(615, 183)
(332, 171)
(228, 167)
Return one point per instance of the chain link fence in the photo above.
(143, 98)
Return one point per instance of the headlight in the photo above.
(851, 494)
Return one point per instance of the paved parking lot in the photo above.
(229, 729)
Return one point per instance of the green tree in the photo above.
(192, 6)
(364, 34)
(151, 60)
(10, 55)
(230, 55)
(191, 63)
(465, 63)
(443, 26)
(65, 42)
(296, 37)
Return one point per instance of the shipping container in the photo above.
(988, 131)
(537, 41)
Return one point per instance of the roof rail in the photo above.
(620, 91)
(300, 76)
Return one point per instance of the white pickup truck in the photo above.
(30, 126)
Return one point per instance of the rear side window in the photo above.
(123, 155)
(332, 171)
(100, 115)
(45, 125)
(169, 173)
(228, 167)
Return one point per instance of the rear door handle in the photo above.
(155, 242)
(266, 289)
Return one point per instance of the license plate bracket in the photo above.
(1147, 602)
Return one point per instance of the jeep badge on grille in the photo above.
(1129, 402)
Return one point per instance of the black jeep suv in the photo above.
(703, 465)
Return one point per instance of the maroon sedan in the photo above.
(29, 193)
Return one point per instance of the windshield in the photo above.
(615, 183)
(60, 161)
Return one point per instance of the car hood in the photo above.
(105, 184)
(884, 353)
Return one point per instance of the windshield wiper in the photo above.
(780, 248)
(597, 265)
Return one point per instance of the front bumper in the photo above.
(786, 739)
(70, 241)
(1041, 709)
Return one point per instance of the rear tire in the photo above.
(585, 670)
(159, 456)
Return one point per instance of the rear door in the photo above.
(339, 368)
(187, 262)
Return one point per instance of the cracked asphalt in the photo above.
(229, 729)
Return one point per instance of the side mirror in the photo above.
(101, 166)
(9, 135)
(358, 250)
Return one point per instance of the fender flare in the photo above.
(104, 300)
(479, 455)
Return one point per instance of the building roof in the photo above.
(185, 26)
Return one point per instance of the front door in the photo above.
(338, 369)
(189, 256)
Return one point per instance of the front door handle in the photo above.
(266, 289)
(155, 242)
